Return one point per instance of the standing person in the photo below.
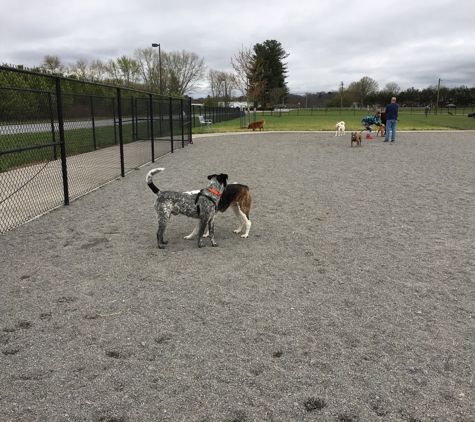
(392, 113)
(371, 120)
(426, 110)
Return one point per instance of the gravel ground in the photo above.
(352, 299)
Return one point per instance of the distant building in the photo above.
(234, 104)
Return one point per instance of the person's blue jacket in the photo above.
(392, 111)
(372, 120)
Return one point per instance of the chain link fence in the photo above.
(61, 138)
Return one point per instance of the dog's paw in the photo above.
(189, 237)
(244, 236)
(237, 231)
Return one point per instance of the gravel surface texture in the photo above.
(351, 300)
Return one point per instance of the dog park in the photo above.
(352, 298)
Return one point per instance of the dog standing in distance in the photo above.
(238, 197)
(257, 125)
(202, 205)
(340, 129)
(356, 137)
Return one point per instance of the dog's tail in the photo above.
(149, 178)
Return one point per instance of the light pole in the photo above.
(159, 65)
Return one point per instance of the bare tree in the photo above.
(248, 77)
(214, 82)
(52, 64)
(182, 71)
(97, 70)
(367, 87)
(221, 85)
(276, 94)
(80, 68)
(392, 89)
(124, 71)
(148, 60)
(358, 91)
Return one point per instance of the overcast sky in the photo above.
(410, 42)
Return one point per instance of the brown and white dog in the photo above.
(356, 137)
(238, 197)
(340, 129)
(257, 125)
(381, 130)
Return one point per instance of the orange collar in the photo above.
(214, 191)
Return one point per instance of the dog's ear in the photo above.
(211, 176)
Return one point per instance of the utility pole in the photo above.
(437, 105)
(341, 96)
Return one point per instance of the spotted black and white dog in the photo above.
(202, 205)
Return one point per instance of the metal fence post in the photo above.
(121, 135)
(64, 169)
(189, 122)
(93, 124)
(182, 120)
(170, 117)
(151, 128)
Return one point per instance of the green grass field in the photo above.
(322, 120)
(81, 140)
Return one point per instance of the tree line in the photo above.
(259, 73)
(366, 92)
(259, 78)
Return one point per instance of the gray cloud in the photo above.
(412, 43)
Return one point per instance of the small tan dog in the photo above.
(356, 137)
(257, 125)
(381, 130)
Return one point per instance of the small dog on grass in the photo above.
(202, 205)
(257, 125)
(356, 137)
(238, 197)
(340, 129)
(381, 130)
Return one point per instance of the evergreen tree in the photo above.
(271, 56)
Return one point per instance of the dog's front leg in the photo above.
(206, 224)
(211, 231)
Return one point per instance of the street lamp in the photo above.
(159, 65)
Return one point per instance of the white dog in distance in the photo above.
(340, 129)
